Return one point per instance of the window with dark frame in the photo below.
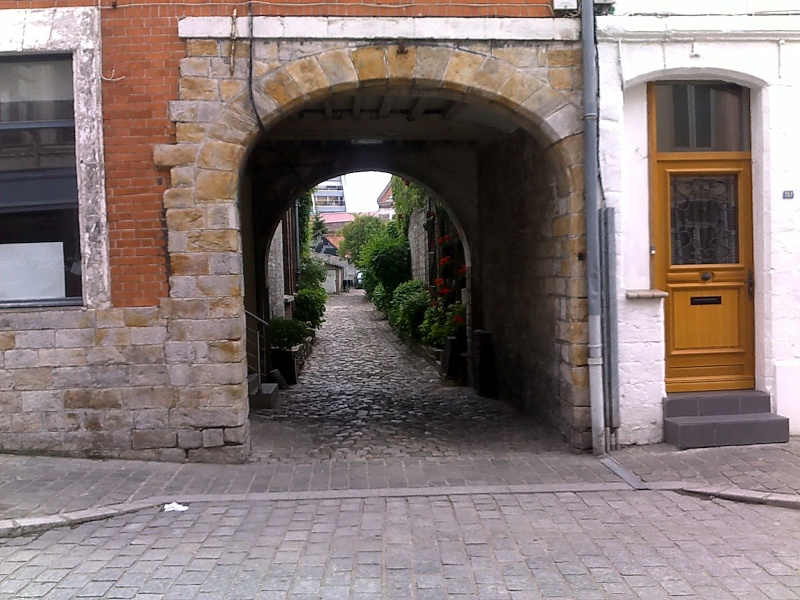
(40, 254)
(702, 116)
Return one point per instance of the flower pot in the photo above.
(454, 347)
(285, 362)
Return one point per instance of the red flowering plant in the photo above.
(440, 322)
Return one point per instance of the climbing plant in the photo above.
(305, 205)
(406, 196)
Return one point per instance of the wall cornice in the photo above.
(372, 28)
(735, 28)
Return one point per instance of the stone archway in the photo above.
(216, 129)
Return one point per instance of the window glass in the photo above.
(702, 117)
(40, 258)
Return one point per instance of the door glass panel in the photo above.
(704, 219)
(702, 117)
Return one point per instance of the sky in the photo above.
(361, 190)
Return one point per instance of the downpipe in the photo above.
(591, 185)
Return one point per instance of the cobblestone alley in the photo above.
(365, 394)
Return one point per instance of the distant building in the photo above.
(386, 203)
(336, 220)
(329, 196)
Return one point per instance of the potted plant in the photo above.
(288, 341)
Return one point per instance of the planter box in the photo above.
(453, 357)
(290, 362)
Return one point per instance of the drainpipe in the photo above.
(591, 184)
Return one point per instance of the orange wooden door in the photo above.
(703, 243)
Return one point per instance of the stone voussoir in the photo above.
(173, 155)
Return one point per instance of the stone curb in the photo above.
(746, 496)
(28, 525)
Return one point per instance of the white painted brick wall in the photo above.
(759, 53)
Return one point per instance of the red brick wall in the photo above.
(141, 46)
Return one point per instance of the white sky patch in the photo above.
(361, 190)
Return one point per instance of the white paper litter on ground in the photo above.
(175, 507)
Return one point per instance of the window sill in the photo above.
(42, 304)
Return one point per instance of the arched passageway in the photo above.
(501, 186)
(495, 136)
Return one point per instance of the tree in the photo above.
(318, 226)
(357, 233)
(385, 261)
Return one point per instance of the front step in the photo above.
(713, 419)
(265, 397)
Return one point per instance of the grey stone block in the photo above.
(236, 435)
(224, 454)
(213, 438)
(154, 438)
(190, 438)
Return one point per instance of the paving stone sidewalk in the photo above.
(766, 468)
(620, 545)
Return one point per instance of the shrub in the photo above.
(407, 310)
(385, 260)
(309, 306)
(286, 333)
(312, 274)
(380, 298)
(440, 322)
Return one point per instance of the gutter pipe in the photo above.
(591, 185)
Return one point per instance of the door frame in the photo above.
(659, 203)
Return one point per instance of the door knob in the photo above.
(706, 276)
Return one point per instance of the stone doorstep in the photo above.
(265, 397)
(726, 430)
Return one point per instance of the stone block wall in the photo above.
(123, 382)
(418, 240)
(275, 274)
(533, 282)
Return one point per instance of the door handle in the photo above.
(751, 284)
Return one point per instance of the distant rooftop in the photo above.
(337, 217)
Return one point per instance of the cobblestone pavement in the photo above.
(363, 394)
(621, 545)
(767, 468)
(390, 426)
